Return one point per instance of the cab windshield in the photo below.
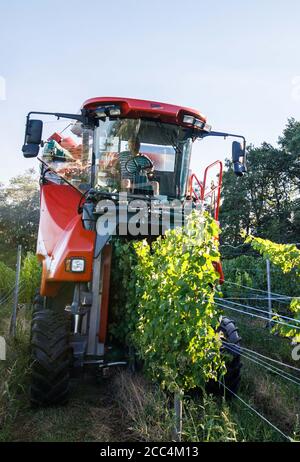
(122, 155)
(141, 157)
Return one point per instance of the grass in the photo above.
(273, 396)
(146, 407)
(14, 372)
(127, 407)
(205, 419)
(90, 415)
(210, 419)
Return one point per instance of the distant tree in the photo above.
(290, 143)
(265, 202)
(19, 205)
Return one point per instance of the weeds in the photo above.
(146, 407)
(150, 411)
(208, 420)
(14, 377)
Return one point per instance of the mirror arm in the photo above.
(225, 135)
(81, 117)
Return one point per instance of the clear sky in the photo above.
(236, 61)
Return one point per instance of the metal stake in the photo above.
(178, 416)
(13, 322)
(269, 292)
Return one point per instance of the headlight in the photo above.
(104, 111)
(207, 128)
(114, 111)
(187, 119)
(75, 265)
(197, 123)
(100, 112)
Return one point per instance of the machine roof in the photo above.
(131, 107)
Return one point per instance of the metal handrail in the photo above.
(211, 192)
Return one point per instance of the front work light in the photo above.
(191, 120)
(187, 119)
(105, 111)
(75, 265)
(114, 111)
(100, 112)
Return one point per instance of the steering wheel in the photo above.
(138, 163)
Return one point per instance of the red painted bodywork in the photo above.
(61, 236)
(135, 108)
(61, 232)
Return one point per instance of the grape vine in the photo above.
(166, 290)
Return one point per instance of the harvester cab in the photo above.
(119, 167)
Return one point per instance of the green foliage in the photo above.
(208, 421)
(7, 280)
(290, 141)
(19, 203)
(264, 202)
(170, 316)
(30, 277)
(287, 258)
(14, 373)
(123, 291)
(248, 270)
(285, 330)
(243, 271)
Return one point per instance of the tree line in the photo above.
(266, 201)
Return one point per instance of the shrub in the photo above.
(287, 258)
(7, 280)
(251, 271)
(30, 277)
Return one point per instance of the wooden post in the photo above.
(13, 322)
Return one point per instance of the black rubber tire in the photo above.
(38, 303)
(50, 358)
(232, 378)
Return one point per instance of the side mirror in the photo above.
(33, 138)
(238, 158)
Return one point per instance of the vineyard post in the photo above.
(16, 294)
(178, 415)
(269, 292)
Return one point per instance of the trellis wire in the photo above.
(239, 347)
(257, 316)
(258, 309)
(257, 413)
(285, 375)
(260, 290)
